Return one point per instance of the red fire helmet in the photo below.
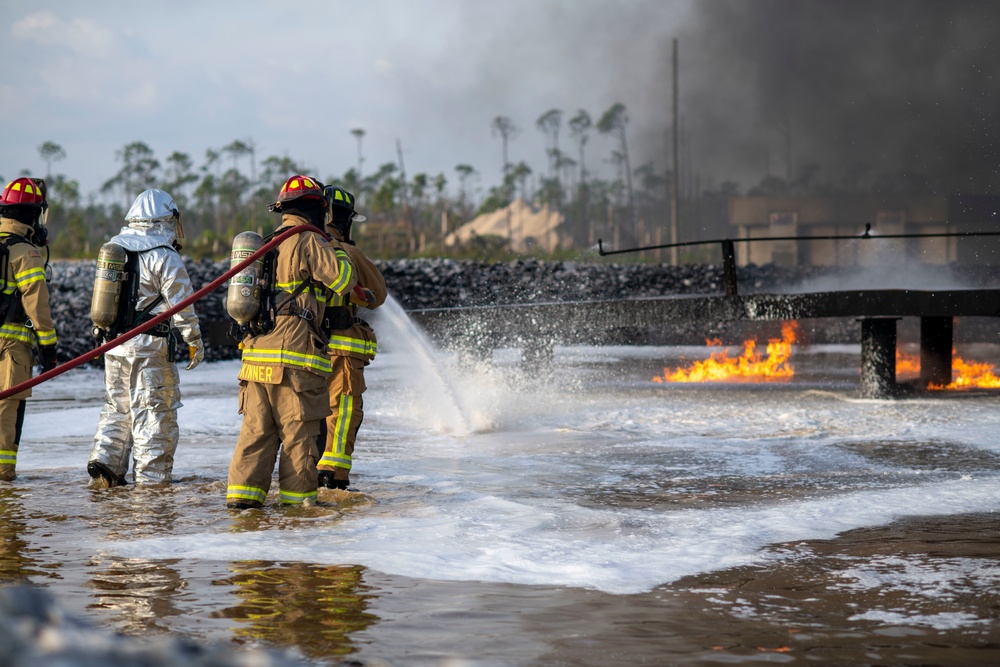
(300, 187)
(24, 191)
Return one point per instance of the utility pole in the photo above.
(674, 204)
(358, 133)
(788, 148)
(253, 182)
(407, 211)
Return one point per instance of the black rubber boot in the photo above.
(97, 469)
(326, 480)
(243, 505)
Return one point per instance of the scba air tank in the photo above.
(104, 305)
(243, 297)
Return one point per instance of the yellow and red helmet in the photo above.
(300, 187)
(25, 191)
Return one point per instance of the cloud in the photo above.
(83, 37)
(383, 67)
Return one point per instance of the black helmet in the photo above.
(340, 198)
(340, 212)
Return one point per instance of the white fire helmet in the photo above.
(153, 206)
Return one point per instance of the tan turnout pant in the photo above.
(287, 414)
(15, 368)
(346, 384)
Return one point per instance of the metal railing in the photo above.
(729, 246)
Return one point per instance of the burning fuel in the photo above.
(965, 374)
(749, 366)
(775, 366)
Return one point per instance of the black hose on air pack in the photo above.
(145, 326)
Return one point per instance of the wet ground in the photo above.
(534, 542)
(920, 591)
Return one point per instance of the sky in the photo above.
(862, 94)
(297, 78)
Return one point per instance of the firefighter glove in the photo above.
(47, 357)
(362, 296)
(197, 351)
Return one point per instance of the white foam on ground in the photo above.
(465, 536)
(503, 504)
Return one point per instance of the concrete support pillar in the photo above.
(936, 342)
(878, 357)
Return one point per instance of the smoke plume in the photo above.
(847, 96)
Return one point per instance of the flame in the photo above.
(965, 374)
(749, 366)
(907, 365)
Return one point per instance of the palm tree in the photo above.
(505, 127)
(465, 173)
(520, 173)
(50, 152)
(177, 175)
(579, 126)
(550, 123)
(138, 170)
(613, 122)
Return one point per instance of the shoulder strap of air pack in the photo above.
(8, 300)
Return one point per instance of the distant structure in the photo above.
(524, 226)
(767, 217)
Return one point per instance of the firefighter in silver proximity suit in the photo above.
(142, 392)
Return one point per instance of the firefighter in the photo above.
(26, 322)
(352, 345)
(138, 423)
(283, 390)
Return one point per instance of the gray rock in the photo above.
(35, 632)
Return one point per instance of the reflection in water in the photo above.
(141, 591)
(15, 563)
(314, 608)
(127, 512)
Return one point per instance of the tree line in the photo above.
(408, 215)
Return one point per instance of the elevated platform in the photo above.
(609, 322)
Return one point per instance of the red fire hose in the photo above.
(128, 335)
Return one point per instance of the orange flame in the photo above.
(748, 367)
(907, 365)
(965, 374)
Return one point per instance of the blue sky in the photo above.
(297, 77)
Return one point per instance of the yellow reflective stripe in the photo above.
(331, 461)
(292, 498)
(317, 290)
(246, 493)
(288, 357)
(17, 332)
(8, 457)
(344, 416)
(29, 276)
(347, 344)
(345, 272)
(46, 336)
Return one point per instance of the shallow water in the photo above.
(572, 514)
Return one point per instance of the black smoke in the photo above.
(875, 96)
